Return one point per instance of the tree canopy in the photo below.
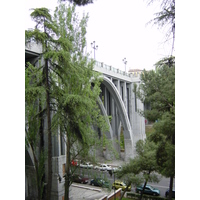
(158, 89)
(80, 2)
(72, 87)
(165, 18)
(143, 167)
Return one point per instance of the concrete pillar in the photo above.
(117, 84)
(59, 142)
(56, 144)
(113, 115)
(105, 100)
(131, 104)
(125, 94)
(129, 149)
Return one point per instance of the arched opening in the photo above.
(122, 115)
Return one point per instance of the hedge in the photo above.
(144, 197)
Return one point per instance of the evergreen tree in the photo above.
(43, 34)
(80, 2)
(72, 87)
(77, 89)
(158, 88)
(166, 18)
(33, 99)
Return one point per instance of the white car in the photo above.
(86, 165)
(103, 167)
(115, 169)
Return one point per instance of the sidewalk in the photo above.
(79, 192)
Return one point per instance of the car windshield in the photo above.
(152, 188)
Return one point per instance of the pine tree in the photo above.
(33, 100)
(43, 34)
(72, 87)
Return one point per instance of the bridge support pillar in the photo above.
(129, 149)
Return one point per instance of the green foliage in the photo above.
(122, 139)
(34, 93)
(73, 85)
(149, 130)
(166, 18)
(136, 196)
(143, 166)
(158, 88)
(80, 2)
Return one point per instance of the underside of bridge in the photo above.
(117, 99)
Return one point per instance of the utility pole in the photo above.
(94, 47)
(125, 61)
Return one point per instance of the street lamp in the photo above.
(125, 61)
(94, 47)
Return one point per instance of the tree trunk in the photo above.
(49, 185)
(125, 190)
(67, 176)
(171, 187)
(172, 176)
(41, 147)
(145, 183)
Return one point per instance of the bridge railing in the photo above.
(110, 68)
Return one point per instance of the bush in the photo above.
(145, 197)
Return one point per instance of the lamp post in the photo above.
(125, 61)
(94, 47)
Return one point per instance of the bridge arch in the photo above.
(123, 116)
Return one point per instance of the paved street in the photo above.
(163, 185)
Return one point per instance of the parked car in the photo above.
(79, 179)
(86, 165)
(148, 190)
(99, 182)
(103, 167)
(167, 193)
(119, 184)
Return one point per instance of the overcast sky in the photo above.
(119, 28)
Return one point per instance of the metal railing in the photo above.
(115, 70)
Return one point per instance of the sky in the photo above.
(119, 28)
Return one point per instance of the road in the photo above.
(163, 185)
